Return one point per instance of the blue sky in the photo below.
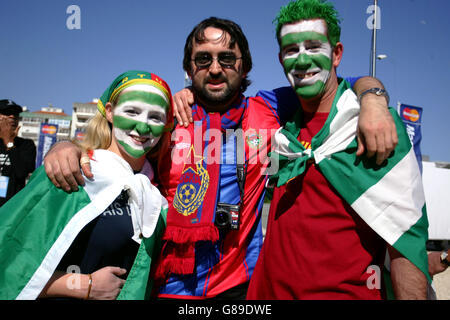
(42, 62)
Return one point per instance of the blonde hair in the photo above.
(98, 133)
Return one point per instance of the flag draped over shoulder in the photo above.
(39, 224)
(389, 198)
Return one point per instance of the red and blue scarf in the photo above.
(191, 214)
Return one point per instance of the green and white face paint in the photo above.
(306, 54)
(139, 119)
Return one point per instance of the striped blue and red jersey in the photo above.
(230, 261)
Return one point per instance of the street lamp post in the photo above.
(374, 39)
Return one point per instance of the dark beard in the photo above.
(215, 102)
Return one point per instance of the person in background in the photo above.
(108, 231)
(17, 155)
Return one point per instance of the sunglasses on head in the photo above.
(225, 59)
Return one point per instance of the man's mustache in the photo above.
(219, 77)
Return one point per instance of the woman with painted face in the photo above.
(98, 242)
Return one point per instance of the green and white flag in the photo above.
(39, 224)
(389, 198)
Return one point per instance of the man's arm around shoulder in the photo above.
(62, 165)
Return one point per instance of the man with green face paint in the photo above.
(333, 216)
(306, 57)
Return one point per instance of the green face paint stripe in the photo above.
(133, 152)
(299, 37)
(124, 123)
(143, 128)
(147, 97)
(323, 60)
(311, 91)
(157, 130)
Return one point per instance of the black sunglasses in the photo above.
(226, 60)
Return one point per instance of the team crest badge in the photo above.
(193, 185)
(253, 140)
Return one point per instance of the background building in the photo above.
(30, 123)
(81, 114)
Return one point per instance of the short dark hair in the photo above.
(236, 36)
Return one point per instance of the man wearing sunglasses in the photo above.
(217, 88)
(202, 258)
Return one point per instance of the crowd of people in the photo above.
(152, 208)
